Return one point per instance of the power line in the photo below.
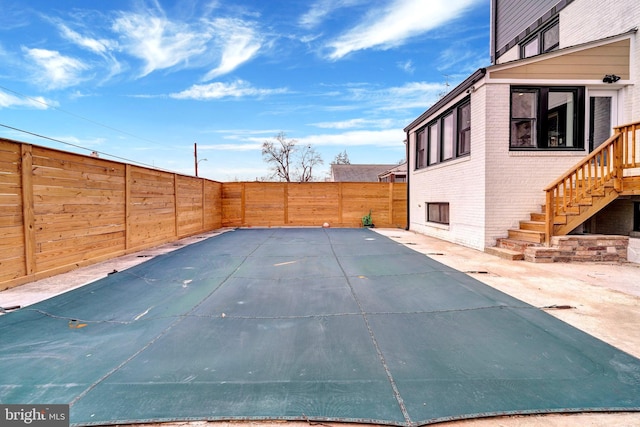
(39, 101)
(81, 147)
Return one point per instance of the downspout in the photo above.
(408, 174)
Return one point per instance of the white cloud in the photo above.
(377, 138)
(392, 25)
(406, 66)
(99, 46)
(53, 70)
(355, 123)
(322, 9)
(218, 90)
(239, 43)
(8, 100)
(159, 42)
(410, 95)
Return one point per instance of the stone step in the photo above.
(505, 253)
(514, 245)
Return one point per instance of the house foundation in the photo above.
(580, 248)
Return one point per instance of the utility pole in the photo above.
(195, 155)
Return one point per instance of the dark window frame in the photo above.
(438, 212)
(539, 37)
(435, 149)
(544, 118)
(464, 132)
(421, 147)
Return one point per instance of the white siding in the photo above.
(586, 20)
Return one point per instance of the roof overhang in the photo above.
(587, 62)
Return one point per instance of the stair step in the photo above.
(514, 244)
(505, 253)
(538, 216)
(532, 225)
(526, 235)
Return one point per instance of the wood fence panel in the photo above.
(152, 211)
(190, 205)
(313, 204)
(361, 197)
(232, 204)
(78, 208)
(264, 204)
(12, 253)
(270, 204)
(399, 217)
(212, 205)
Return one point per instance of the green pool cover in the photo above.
(303, 324)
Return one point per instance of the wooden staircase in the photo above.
(579, 194)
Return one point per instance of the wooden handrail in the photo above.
(604, 165)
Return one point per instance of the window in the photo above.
(421, 144)
(438, 212)
(434, 142)
(547, 118)
(446, 138)
(464, 129)
(543, 41)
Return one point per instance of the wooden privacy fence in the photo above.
(341, 204)
(60, 210)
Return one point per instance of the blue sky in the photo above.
(145, 79)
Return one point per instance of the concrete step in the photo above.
(505, 253)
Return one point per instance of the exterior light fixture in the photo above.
(610, 78)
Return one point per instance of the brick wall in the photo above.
(459, 182)
(515, 180)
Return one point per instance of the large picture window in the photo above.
(445, 138)
(547, 118)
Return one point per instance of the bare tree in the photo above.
(288, 162)
(309, 158)
(279, 154)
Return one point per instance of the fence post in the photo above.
(28, 218)
(175, 205)
(390, 204)
(127, 206)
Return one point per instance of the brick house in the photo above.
(510, 156)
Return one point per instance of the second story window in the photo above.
(543, 41)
